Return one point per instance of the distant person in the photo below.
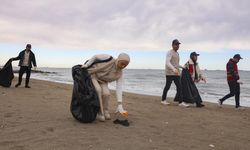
(104, 69)
(173, 73)
(233, 80)
(27, 58)
(194, 69)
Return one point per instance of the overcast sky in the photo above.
(138, 26)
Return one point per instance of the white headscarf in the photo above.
(122, 56)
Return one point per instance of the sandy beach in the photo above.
(39, 119)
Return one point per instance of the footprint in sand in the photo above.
(8, 115)
(19, 147)
(50, 129)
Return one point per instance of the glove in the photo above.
(240, 82)
(121, 111)
(204, 79)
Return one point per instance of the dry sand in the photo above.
(39, 119)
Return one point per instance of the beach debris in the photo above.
(166, 122)
(211, 145)
(150, 140)
(2, 126)
(121, 122)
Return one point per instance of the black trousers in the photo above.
(177, 81)
(27, 70)
(234, 91)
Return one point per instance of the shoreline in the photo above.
(129, 92)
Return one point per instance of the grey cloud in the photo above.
(127, 24)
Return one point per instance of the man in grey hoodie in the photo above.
(173, 73)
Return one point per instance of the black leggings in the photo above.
(234, 91)
(177, 81)
(27, 70)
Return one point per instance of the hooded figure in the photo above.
(103, 70)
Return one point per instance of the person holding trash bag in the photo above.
(104, 69)
(172, 74)
(190, 75)
(27, 58)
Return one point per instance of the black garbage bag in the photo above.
(189, 89)
(6, 75)
(85, 103)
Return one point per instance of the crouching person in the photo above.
(104, 69)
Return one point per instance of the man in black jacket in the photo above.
(27, 58)
(233, 79)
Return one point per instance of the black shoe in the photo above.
(200, 105)
(220, 103)
(27, 86)
(17, 85)
(239, 107)
(121, 122)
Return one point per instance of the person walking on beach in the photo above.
(233, 80)
(27, 58)
(104, 69)
(194, 69)
(173, 73)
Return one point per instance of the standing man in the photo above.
(173, 73)
(27, 58)
(233, 80)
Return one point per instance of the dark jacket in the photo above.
(85, 103)
(232, 71)
(32, 58)
(189, 89)
(6, 75)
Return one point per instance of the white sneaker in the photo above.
(183, 104)
(107, 115)
(100, 117)
(165, 102)
(219, 103)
